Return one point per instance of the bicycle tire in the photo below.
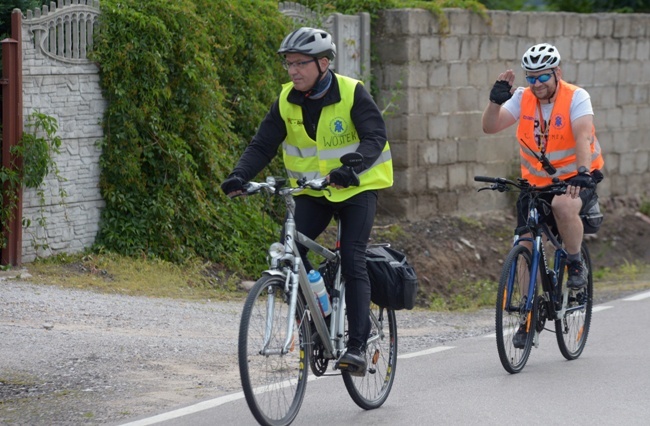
(511, 312)
(274, 385)
(572, 330)
(372, 390)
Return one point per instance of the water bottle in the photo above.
(318, 287)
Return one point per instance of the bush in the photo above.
(186, 83)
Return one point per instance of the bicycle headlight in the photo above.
(276, 250)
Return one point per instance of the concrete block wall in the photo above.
(69, 91)
(438, 78)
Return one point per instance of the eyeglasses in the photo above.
(542, 78)
(300, 65)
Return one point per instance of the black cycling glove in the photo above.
(583, 180)
(344, 176)
(500, 92)
(232, 184)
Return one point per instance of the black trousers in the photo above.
(357, 215)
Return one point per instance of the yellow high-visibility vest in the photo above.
(335, 136)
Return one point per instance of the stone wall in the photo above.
(439, 78)
(59, 81)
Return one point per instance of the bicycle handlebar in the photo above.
(274, 185)
(493, 180)
(277, 185)
(502, 184)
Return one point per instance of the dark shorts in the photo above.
(587, 195)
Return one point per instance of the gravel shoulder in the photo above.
(79, 357)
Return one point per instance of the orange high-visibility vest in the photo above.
(561, 146)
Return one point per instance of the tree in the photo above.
(579, 6)
(7, 7)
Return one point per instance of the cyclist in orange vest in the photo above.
(562, 144)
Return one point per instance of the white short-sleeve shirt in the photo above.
(580, 105)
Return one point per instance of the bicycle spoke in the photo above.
(512, 312)
(573, 329)
(371, 390)
(273, 382)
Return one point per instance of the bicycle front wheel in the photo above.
(511, 312)
(370, 391)
(573, 328)
(273, 380)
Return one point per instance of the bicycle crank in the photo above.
(317, 361)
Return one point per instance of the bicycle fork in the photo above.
(526, 311)
(292, 282)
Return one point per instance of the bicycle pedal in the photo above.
(352, 370)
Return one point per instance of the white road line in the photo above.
(600, 308)
(638, 297)
(594, 309)
(425, 352)
(206, 405)
(201, 406)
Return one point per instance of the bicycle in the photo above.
(521, 301)
(283, 331)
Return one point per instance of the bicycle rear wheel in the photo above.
(511, 312)
(370, 391)
(274, 383)
(573, 328)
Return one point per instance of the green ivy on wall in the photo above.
(36, 150)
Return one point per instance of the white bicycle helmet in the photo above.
(540, 57)
(309, 41)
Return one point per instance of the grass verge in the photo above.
(198, 280)
(111, 273)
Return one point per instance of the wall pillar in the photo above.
(12, 132)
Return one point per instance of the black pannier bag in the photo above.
(590, 213)
(393, 281)
(591, 216)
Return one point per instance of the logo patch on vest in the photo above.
(338, 126)
(294, 121)
(558, 121)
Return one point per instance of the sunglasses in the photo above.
(541, 78)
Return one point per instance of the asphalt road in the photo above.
(465, 384)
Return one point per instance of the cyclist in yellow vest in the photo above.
(318, 117)
(556, 140)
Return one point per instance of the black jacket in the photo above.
(272, 132)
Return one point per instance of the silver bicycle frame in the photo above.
(338, 303)
(297, 277)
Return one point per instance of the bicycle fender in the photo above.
(273, 272)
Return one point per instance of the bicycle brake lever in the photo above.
(501, 187)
